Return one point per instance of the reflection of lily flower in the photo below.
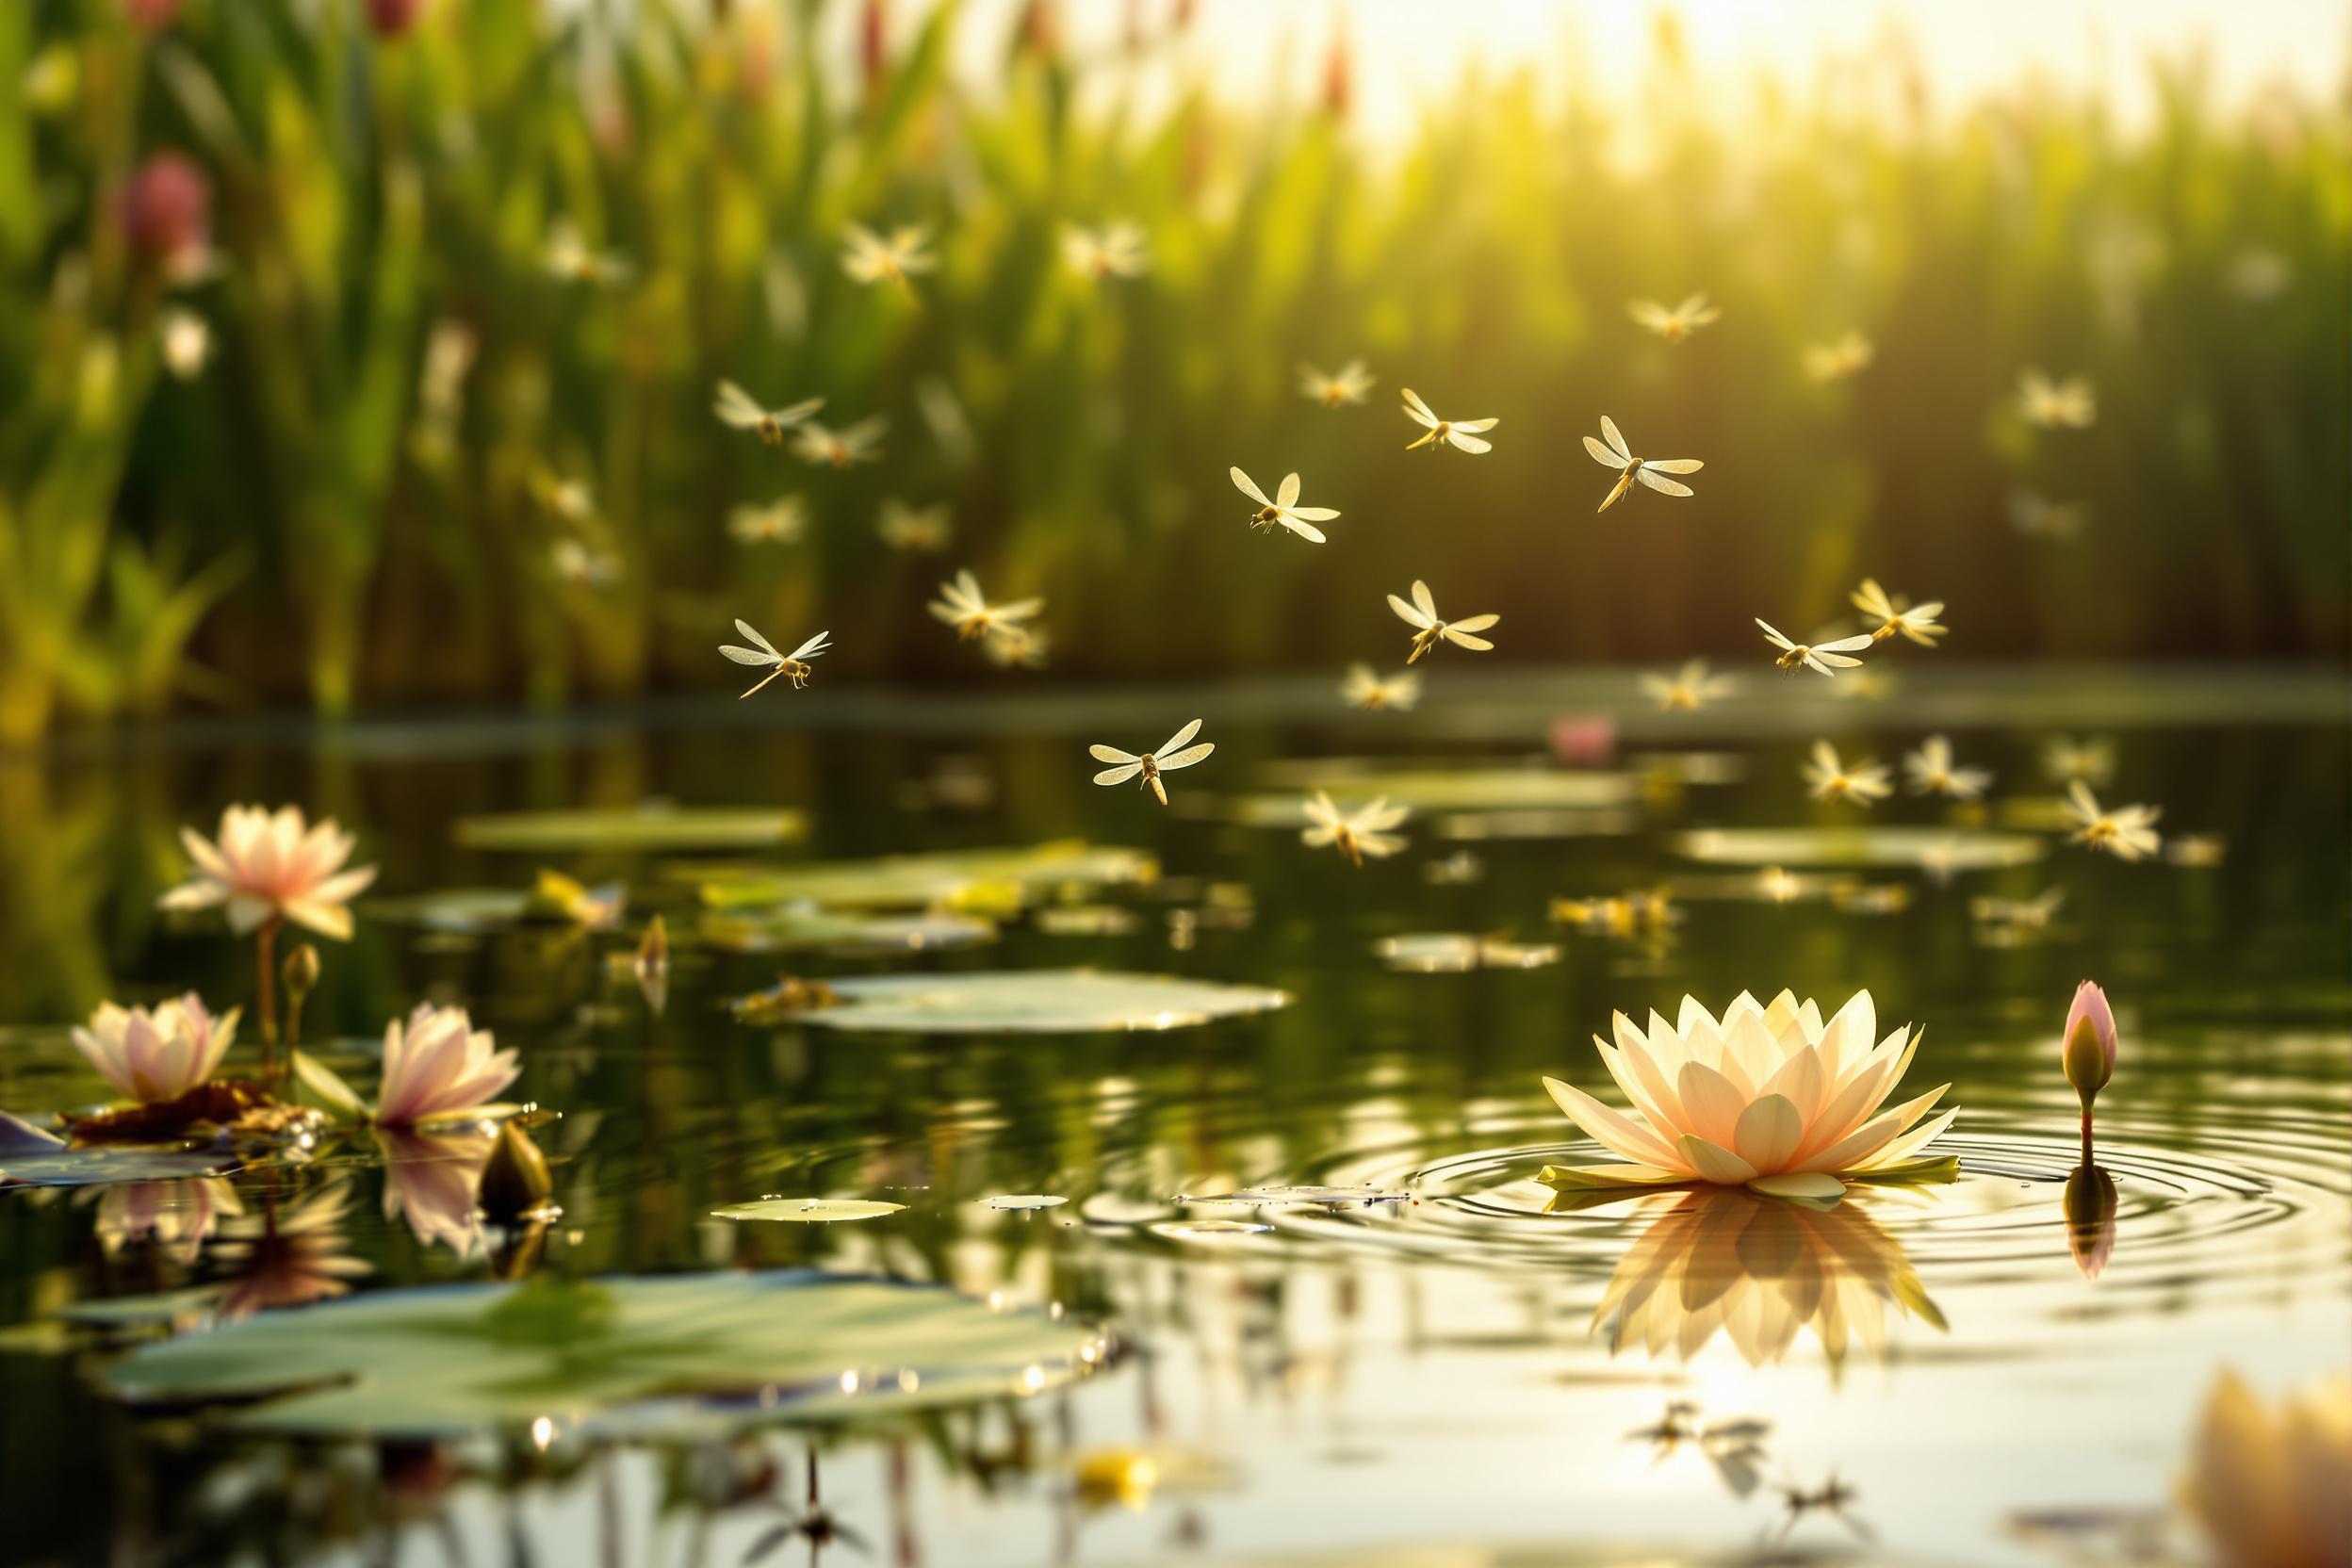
(178, 1215)
(438, 1065)
(2272, 1488)
(154, 1058)
(428, 1178)
(1722, 1261)
(290, 1258)
(1771, 1096)
(2090, 1218)
(266, 865)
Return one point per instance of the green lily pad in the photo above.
(1034, 1002)
(610, 1355)
(655, 827)
(462, 911)
(1947, 848)
(1211, 1230)
(1024, 1200)
(806, 929)
(807, 1211)
(113, 1162)
(993, 879)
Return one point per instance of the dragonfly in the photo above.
(1421, 613)
(2127, 832)
(1931, 772)
(1687, 690)
(815, 443)
(1676, 325)
(1839, 358)
(869, 258)
(1283, 510)
(569, 256)
(2070, 404)
(1649, 471)
(1894, 613)
(1365, 688)
(963, 606)
(1828, 658)
(739, 410)
(1453, 433)
(1829, 778)
(1176, 753)
(795, 665)
(1348, 384)
(1114, 251)
(1832, 1497)
(1357, 834)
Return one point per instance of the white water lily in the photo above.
(438, 1067)
(266, 865)
(1771, 1096)
(157, 1057)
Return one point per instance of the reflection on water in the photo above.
(1426, 1367)
(1759, 1272)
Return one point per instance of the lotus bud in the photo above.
(515, 1180)
(301, 972)
(2090, 1047)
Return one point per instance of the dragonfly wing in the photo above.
(1417, 409)
(1839, 660)
(1663, 486)
(799, 411)
(1844, 645)
(1602, 454)
(1112, 754)
(1303, 530)
(1676, 464)
(1407, 613)
(1773, 633)
(1320, 514)
(762, 642)
(812, 647)
(1175, 742)
(1120, 775)
(1188, 757)
(1462, 639)
(1249, 487)
(1469, 443)
(1617, 441)
(1289, 491)
(1421, 599)
(748, 655)
(1475, 426)
(1474, 623)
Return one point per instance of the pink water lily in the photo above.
(270, 865)
(1771, 1096)
(438, 1065)
(158, 1055)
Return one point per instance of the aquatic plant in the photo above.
(156, 1056)
(2088, 1053)
(437, 1065)
(1771, 1096)
(2271, 1486)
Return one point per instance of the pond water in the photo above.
(1429, 1364)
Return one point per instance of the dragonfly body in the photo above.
(1148, 767)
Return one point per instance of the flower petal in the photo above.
(1766, 1133)
(1710, 1104)
(1714, 1161)
(1615, 1131)
(1805, 1185)
(1855, 1149)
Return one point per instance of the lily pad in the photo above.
(1208, 1229)
(460, 912)
(1455, 952)
(655, 827)
(1024, 1200)
(608, 1355)
(113, 1162)
(1944, 848)
(1035, 1001)
(807, 1211)
(994, 879)
(1330, 1198)
(807, 929)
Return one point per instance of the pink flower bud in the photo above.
(152, 16)
(393, 18)
(2089, 1052)
(167, 209)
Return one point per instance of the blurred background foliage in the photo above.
(294, 406)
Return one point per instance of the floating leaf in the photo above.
(114, 1162)
(1951, 849)
(1024, 1200)
(1040, 1001)
(619, 1354)
(328, 1087)
(1454, 952)
(991, 879)
(1208, 1229)
(805, 928)
(656, 827)
(808, 1211)
(460, 912)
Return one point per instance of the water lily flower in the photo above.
(178, 1215)
(439, 1065)
(2269, 1485)
(287, 1256)
(2090, 1206)
(157, 1057)
(1829, 778)
(1687, 690)
(268, 866)
(2127, 832)
(1771, 1096)
(515, 1182)
(1931, 772)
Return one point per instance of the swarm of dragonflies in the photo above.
(1175, 753)
(763, 654)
